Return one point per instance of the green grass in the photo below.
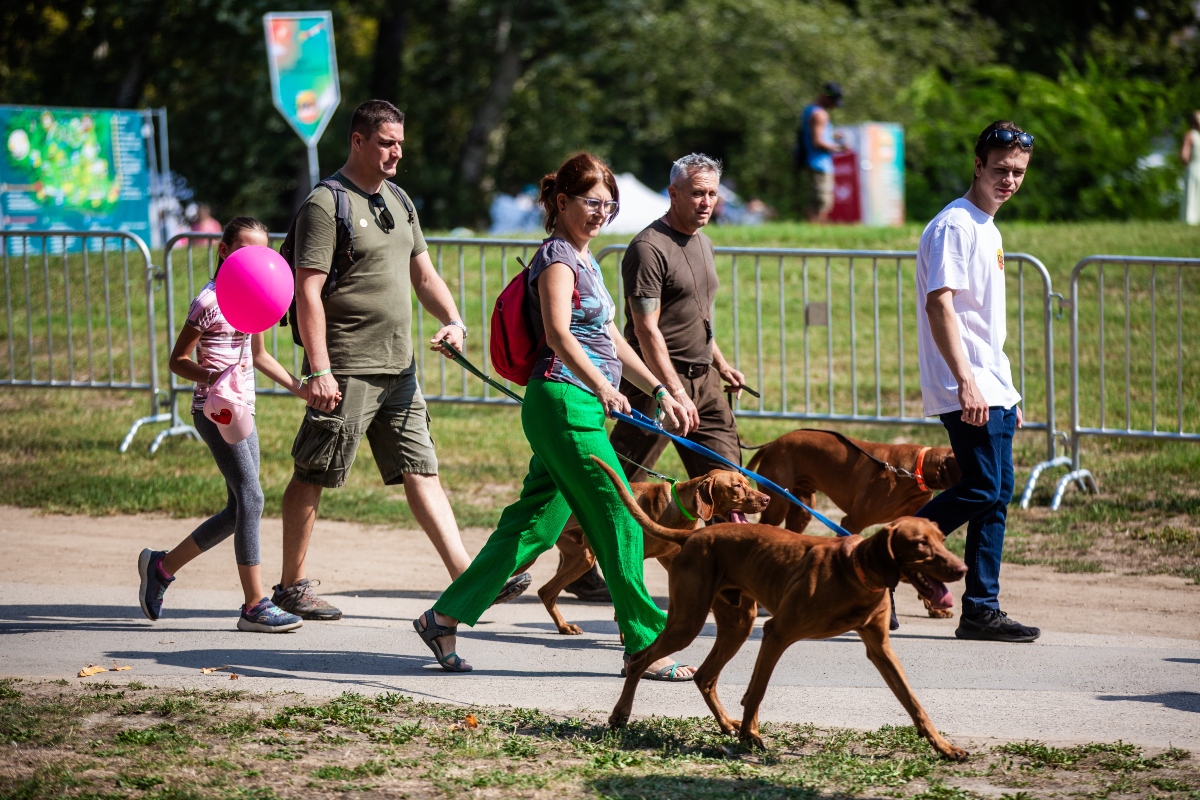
(512, 752)
(57, 449)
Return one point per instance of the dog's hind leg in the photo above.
(879, 650)
(577, 559)
(769, 653)
(735, 621)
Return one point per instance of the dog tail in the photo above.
(754, 462)
(648, 525)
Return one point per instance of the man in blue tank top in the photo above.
(814, 153)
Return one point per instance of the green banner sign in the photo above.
(74, 169)
(304, 76)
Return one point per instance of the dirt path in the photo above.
(67, 551)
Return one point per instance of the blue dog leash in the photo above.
(640, 420)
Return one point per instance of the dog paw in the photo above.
(731, 727)
(953, 753)
(941, 613)
(753, 739)
(571, 629)
(618, 720)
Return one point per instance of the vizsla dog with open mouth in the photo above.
(815, 587)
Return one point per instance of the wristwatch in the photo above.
(458, 324)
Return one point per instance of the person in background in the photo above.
(572, 391)
(218, 346)
(204, 222)
(814, 153)
(966, 379)
(1189, 154)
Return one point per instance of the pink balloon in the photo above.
(254, 288)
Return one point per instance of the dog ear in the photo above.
(889, 531)
(704, 499)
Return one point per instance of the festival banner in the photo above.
(303, 64)
(74, 169)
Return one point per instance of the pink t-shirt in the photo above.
(219, 344)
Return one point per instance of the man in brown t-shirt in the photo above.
(670, 280)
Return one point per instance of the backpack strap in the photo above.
(403, 199)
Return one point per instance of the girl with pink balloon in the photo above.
(251, 290)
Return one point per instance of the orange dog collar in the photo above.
(919, 473)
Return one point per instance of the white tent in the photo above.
(640, 205)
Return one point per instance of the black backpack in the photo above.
(343, 250)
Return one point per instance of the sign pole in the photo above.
(314, 169)
(304, 75)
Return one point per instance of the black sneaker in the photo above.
(299, 599)
(154, 585)
(590, 588)
(513, 588)
(994, 626)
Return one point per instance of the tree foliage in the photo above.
(498, 92)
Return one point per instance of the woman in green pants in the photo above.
(572, 392)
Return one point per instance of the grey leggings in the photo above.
(243, 511)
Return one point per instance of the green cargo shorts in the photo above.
(389, 409)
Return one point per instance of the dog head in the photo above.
(918, 549)
(941, 468)
(728, 494)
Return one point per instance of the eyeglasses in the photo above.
(594, 206)
(386, 220)
(1025, 140)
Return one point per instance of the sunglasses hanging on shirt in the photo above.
(386, 220)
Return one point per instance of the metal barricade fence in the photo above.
(73, 296)
(1146, 366)
(861, 367)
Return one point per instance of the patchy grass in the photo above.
(94, 744)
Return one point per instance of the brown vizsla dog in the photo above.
(815, 587)
(808, 461)
(721, 493)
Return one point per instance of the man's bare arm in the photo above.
(943, 324)
(820, 132)
(645, 312)
(310, 319)
(434, 295)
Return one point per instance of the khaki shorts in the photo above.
(818, 195)
(389, 409)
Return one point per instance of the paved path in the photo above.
(1067, 687)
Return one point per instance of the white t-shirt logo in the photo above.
(1000, 257)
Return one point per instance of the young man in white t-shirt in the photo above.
(965, 375)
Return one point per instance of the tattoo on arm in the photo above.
(644, 305)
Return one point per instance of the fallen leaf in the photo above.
(167, 641)
(471, 722)
(234, 677)
(91, 669)
(115, 668)
(456, 727)
(210, 670)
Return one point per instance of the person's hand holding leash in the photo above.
(688, 408)
(676, 416)
(453, 334)
(733, 378)
(612, 400)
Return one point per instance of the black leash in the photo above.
(462, 361)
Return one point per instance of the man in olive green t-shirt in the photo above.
(358, 352)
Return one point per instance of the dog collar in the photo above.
(858, 570)
(918, 473)
(687, 514)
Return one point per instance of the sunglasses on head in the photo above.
(386, 220)
(1025, 140)
(595, 206)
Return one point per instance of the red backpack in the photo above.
(512, 346)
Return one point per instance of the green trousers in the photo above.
(564, 426)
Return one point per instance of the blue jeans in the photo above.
(980, 500)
